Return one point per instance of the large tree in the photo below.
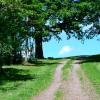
(51, 17)
(43, 19)
(61, 15)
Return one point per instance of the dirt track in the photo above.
(48, 94)
(75, 89)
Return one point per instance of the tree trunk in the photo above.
(38, 48)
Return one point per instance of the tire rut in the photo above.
(48, 94)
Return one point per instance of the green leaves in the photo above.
(5, 49)
(19, 16)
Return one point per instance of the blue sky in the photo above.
(72, 47)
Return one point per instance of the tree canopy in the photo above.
(40, 20)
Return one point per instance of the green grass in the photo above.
(66, 69)
(58, 95)
(23, 82)
(92, 69)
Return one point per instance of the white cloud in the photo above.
(65, 49)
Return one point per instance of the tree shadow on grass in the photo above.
(9, 88)
(41, 63)
(15, 77)
(14, 74)
(89, 59)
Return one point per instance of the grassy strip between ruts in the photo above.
(23, 82)
(92, 70)
(59, 93)
(66, 69)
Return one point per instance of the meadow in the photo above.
(21, 82)
(91, 67)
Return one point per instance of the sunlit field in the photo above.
(91, 66)
(22, 82)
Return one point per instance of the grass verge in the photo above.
(23, 82)
(92, 70)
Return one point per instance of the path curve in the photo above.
(48, 94)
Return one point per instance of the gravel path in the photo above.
(48, 94)
(73, 89)
(74, 86)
